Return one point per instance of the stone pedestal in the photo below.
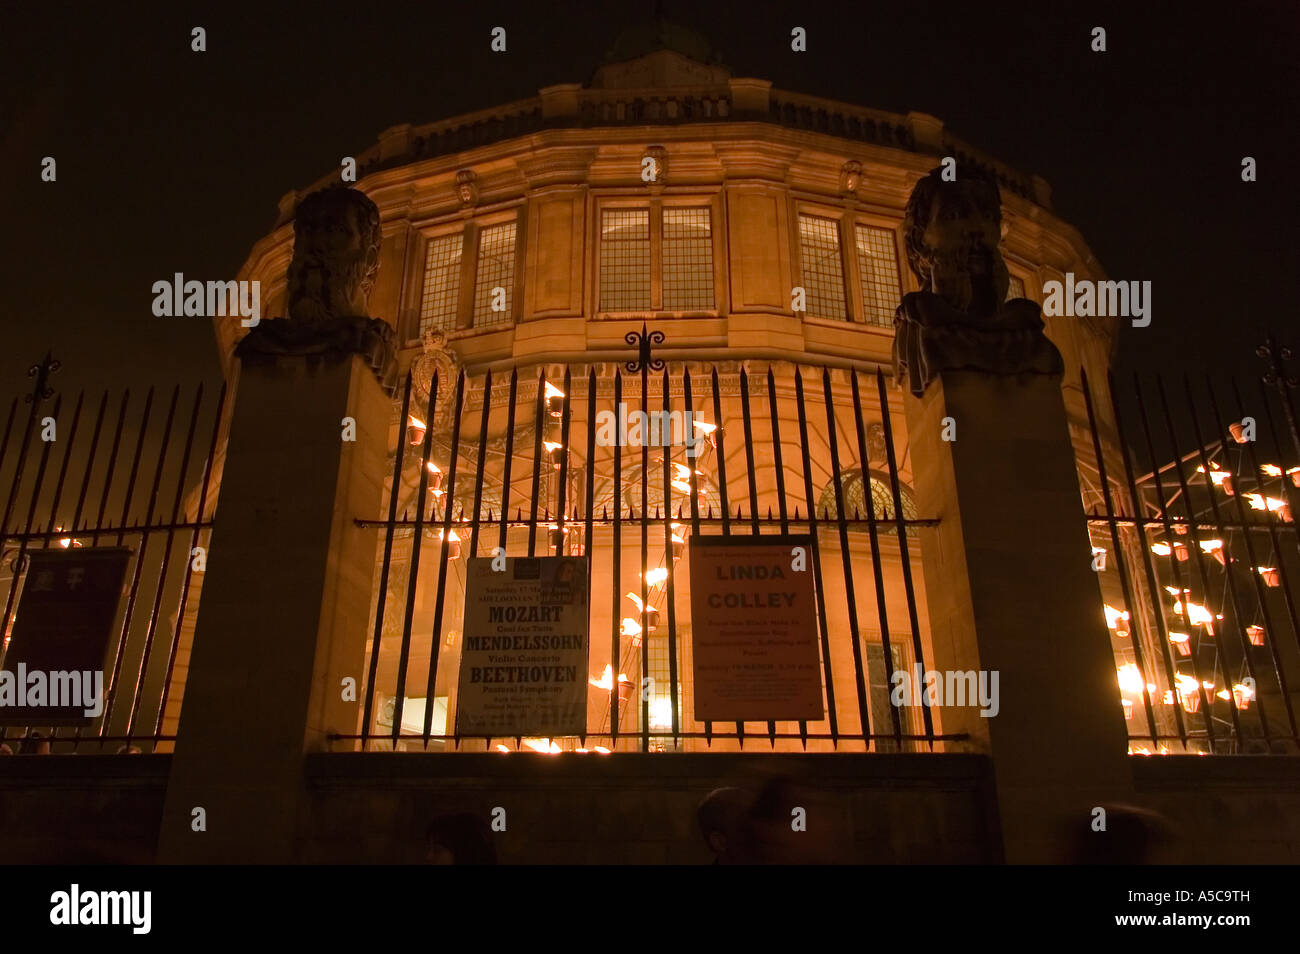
(1010, 588)
(285, 608)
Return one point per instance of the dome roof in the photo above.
(659, 53)
(661, 34)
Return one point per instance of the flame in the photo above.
(1217, 475)
(1130, 678)
(1261, 502)
(1161, 549)
(552, 391)
(1113, 616)
(1209, 546)
(1270, 470)
(706, 427)
(417, 423)
(545, 746)
(661, 713)
(656, 576)
(631, 627)
(552, 446)
(1196, 613)
(606, 680)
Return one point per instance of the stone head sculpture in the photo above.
(952, 232)
(336, 238)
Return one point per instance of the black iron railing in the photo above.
(517, 464)
(1196, 521)
(157, 505)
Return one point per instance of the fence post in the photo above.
(286, 599)
(1008, 568)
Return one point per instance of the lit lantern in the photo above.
(1215, 549)
(1218, 477)
(1241, 695)
(651, 613)
(554, 401)
(1256, 635)
(1116, 620)
(1270, 575)
(415, 429)
(1180, 551)
(1130, 678)
(1238, 431)
(631, 629)
(435, 479)
(554, 450)
(1188, 692)
(1294, 474)
(1128, 708)
(705, 428)
(1182, 642)
(453, 544)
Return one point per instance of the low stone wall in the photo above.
(641, 809)
(1237, 809)
(81, 809)
(880, 809)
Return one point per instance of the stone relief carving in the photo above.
(467, 188)
(436, 358)
(960, 319)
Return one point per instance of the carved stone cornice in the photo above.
(556, 165)
(752, 160)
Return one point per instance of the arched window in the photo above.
(882, 498)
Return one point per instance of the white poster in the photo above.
(523, 665)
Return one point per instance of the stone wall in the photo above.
(575, 809)
(881, 809)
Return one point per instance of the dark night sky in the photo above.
(170, 160)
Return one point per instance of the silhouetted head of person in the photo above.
(724, 822)
(35, 744)
(774, 836)
(1132, 836)
(459, 839)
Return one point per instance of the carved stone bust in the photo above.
(335, 261)
(336, 238)
(960, 319)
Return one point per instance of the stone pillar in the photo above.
(285, 608)
(1010, 588)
